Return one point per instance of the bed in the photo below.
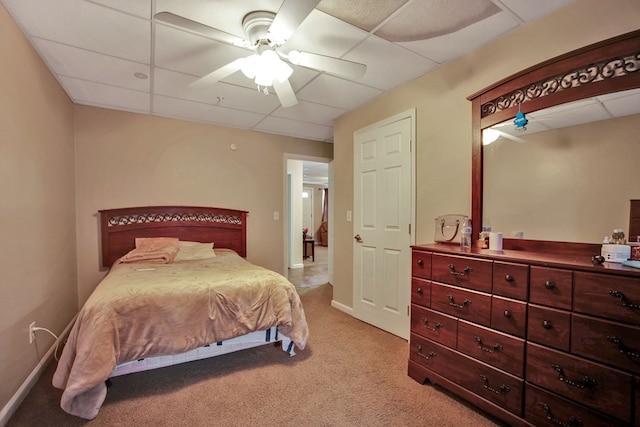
(178, 289)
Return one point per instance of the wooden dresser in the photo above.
(533, 338)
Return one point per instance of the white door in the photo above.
(382, 217)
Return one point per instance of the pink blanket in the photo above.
(138, 311)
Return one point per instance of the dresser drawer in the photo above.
(430, 354)
(549, 326)
(466, 304)
(421, 291)
(509, 315)
(511, 280)
(609, 342)
(462, 271)
(596, 386)
(421, 264)
(547, 409)
(433, 325)
(551, 286)
(499, 387)
(608, 296)
(495, 348)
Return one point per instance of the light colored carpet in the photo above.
(350, 374)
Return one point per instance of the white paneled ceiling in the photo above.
(114, 54)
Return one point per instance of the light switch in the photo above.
(348, 216)
(276, 215)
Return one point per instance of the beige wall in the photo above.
(125, 159)
(443, 146)
(37, 215)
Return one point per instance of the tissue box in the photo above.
(616, 253)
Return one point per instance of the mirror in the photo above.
(549, 206)
(569, 175)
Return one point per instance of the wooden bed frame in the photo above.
(227, 228)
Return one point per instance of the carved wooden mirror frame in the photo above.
(608, 66)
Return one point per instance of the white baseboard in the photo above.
(342, 307)
(15, 401)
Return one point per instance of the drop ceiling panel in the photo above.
(584, 112)
(137, 8)
(87, 65)
(445, 48)
(623, 103)
(85, 25)
(336, 92)
(310, 112)
(295, 128)
(91, 93)
(388, 65)
(181, 109)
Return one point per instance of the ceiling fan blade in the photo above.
(289, 18)
(337, 66)
(197, 27)
(285, 93)
(511, 137)
(216, 76)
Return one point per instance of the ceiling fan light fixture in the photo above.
(249, 66)
(265, 68)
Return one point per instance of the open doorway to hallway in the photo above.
(308, 208)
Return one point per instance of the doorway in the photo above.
(308, 184)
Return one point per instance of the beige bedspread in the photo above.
(143, 310)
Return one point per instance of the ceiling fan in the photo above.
(266, 33)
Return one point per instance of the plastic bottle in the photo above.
(465, 234)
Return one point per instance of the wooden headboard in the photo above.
(226, 228)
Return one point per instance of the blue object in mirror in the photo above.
(521, 121)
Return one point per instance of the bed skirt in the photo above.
(253, 339)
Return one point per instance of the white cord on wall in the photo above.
(38, 328)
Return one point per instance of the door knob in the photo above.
(358, 238)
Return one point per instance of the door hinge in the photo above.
(408, 311)
(409, 229)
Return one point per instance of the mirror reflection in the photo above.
(570, 175)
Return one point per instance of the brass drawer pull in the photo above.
(420, 262)
(452, 270)
(509, 278)
(419, 290)
(507, 314)
(431, 353)
(573, 421)
(549, 284)
(452, 303)
(496, 347)
(623, 302)
(547, 325)
(500, 390)
(622, 348)
(585, 382)
(437, 326)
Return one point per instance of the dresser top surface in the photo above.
(547, 257)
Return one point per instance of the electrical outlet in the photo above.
(32, 333)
